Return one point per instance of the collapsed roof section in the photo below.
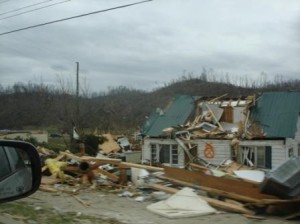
(250, 117)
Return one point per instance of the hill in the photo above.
(120, 110)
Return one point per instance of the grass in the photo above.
(24, 212)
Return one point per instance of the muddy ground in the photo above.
(100, 206)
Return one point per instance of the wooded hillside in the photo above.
(120, 110)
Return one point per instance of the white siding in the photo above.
(297, 139)
(297, 134)
(222, 150)
(146, 149)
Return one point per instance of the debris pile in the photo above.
(195, 191)
(221, 118)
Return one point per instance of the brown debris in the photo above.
(227, 192)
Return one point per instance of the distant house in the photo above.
(260, 131)
(40, 136)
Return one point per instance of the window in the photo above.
(291, 152)
(164, 153)
(174, 154)
(257, 156)
(154, 153)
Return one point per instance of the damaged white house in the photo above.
(260, 131)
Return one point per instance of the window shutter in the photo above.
(268, 158)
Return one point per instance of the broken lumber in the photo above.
(129, 165)
(293, 216)
(278, 201)
(91, 159)
(239, 187)
(211, 190)
(109, 175)
(213, 202)
(47, 189)
(216, 120)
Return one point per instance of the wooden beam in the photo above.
(91, 159)
(108, 174)
(129, 165)
(123, 177)
(211, 190)
(214, 116)
(250, 190)
(218, 98)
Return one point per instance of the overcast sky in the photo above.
(147, 45)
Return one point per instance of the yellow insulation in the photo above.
(54, 167)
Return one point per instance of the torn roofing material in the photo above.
(277, 113)
(176, 114)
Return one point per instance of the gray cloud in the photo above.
(145, 45)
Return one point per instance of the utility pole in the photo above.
(77, 92)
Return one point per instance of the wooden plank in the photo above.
(71, 156)
(254, 217)
(91, 159)
(108, 174)
(278, 201)
(218, 98)
(212, 190)
(129, 165)
(47, 189)
(250, 190)
(101, 160)
(123, 177)
(293, 216)
(216, 120)
(213, 202)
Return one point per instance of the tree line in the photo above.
(120, 110)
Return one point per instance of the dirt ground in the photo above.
(116, 209)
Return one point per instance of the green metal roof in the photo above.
(176, 114)
(277, 113)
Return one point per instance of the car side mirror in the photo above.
(20, 170)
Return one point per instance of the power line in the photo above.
(73, 17)
(25, 7)
(36, 9)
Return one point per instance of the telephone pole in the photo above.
(77, 92)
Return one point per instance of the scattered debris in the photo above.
(182, 175)
(177, 192)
